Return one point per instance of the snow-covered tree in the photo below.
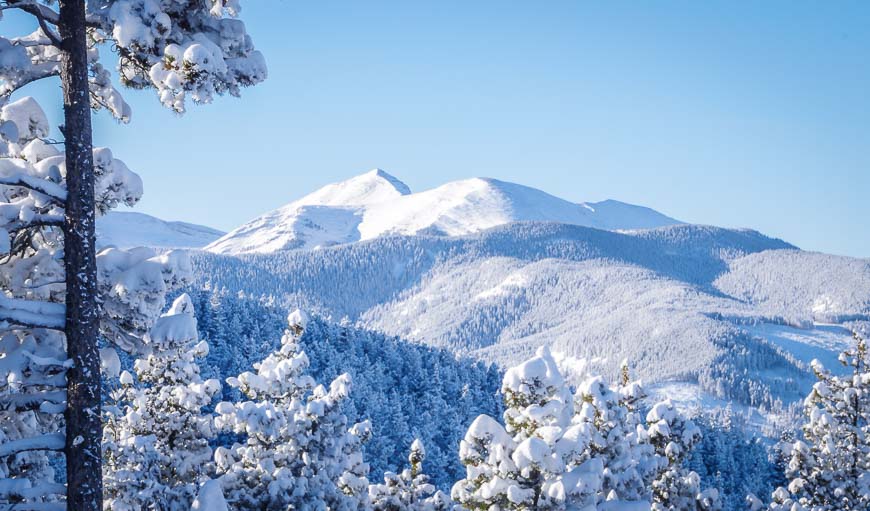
(829, 468)
(675, 487)
(409, 490)
(182, 48)
(618, 437)
(156, 437)
(132, 286)
(297, 451)
(558, 450)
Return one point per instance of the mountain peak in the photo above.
(391, 179)
(370, 187)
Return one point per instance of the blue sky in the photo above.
(741, 115)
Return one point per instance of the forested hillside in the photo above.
(408, 391)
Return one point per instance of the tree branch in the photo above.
(45, 187)
(9, 87)
(11, 489)
(48, 442)
(34, 506)
(32, 314)
(32, 400)
(46, 13)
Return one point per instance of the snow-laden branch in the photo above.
(47, 442)
(34, 506)
(32, 400)
(36, 9)
(43, 186)
(46, 13)
(24, 489)
(32, 314)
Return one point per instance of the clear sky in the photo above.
(754, 114)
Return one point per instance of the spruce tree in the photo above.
(296, 450)
(183, 49)
(829, 468)
(156, 439)
(409, 490)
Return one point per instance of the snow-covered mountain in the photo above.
(494, 270)
(375, 204)
(703, 314)
(125, 229)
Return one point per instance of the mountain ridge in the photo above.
(127, 229)
(376, 204)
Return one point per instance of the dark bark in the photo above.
(83, 428)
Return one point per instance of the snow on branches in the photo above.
(829, 468)
(156, 434)
(296, 450)
(558, 451)
(409, 490)
(181, 48)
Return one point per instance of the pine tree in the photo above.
(675, 487)
(618, 438)
(409, 490)
(132, 287)
(181, 48)
(156, 438)
(297, 451)
(558, 451)
(829, 469)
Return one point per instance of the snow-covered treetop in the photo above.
(281, 375)
(178, 324)
(182, 48)
(133, 284)
(535, 394)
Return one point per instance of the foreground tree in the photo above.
(409, 490)
(829, 469)
(559, 451)
(131, 287)
(156, 439)
(181, 48)
(675, 487)
(297, 451)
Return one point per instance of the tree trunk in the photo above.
(83, 414)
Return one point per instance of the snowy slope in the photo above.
(684, 304)
(129, 229)
(376, 204)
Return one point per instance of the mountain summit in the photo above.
(375, 204)
(370, 188)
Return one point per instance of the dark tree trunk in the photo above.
(83, 428)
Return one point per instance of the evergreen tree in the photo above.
(156, 437)
(182, 49)
(409, 490)
(35, 362)
(296, 450)
(557, 451)
(675, 487)
(618, 438)
(829, 469)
